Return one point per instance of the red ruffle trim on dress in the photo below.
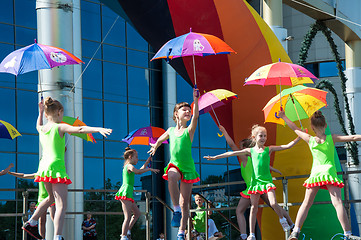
(67, 181)
(323, 184)
(165, 175)
(244, 195)
(262, 192)
(124, 198)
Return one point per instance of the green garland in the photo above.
(306, 44)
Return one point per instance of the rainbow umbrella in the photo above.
(144, 136)
(8, 131)
(193, 44)
(300, 102)
(213, 99)
(77, 123)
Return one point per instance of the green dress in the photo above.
(181, 157)
(52, 166)
(261, 177)
(126, 190)
(247, 176)
(323, 170)
(199, 221)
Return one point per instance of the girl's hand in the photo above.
(154, 170)
(222, 129)
(278, 171)
(105, 131)
(195, 93)
(41, 106)
(209, 158)
(281, 114)
(152, 149)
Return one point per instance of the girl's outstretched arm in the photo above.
(346, 138)
(246, 151)
(65, 128)
(233, 146)
(161, 139)
(275, 170)
(193, 125)
(292, 125)
(147, 162)
(6, 170)
(131, 168)
(22, 175)
(39, 121)
(284, 147)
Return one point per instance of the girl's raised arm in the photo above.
(346, 138)
(153, 147)
(229, 140)
(246, 151)
(284, 147)
(65, 128)
(292, 125)
(39, 121)
(193, 125)
(147, 162)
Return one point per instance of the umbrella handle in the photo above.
(276, 113)
(220, 135)
(195, 86)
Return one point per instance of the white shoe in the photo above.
(285, 225)
(250, 237)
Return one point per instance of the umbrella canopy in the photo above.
(77, 123)
(35, 57)
(280, 73)
(144, 136)
(299, 102)
(8, 131)
(214, 99)
(193, 44)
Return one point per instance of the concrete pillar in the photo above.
(55, 27)
(169, 101)
(273, 16)
(353, 90)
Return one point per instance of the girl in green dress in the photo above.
(125, 193)
(52, 169)
(323, 173)
(261, 180)
(181, 165)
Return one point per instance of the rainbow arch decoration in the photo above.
(240, 26)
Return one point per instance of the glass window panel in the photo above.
(113, 171)
(138, 85)
(213, 152)
(115, 83)
(93, 149)
(25, 13)
(7, 11)
(137, 58)
(7, 111)
(6, 79)
(134, 40)
(116, 35)
(28, 80)
(114, 54)
(90, 21)
(139, 117)
(142, 152)
(138, 184)
(115, 117)
(208, 131)
(27, 111)
(328, 69)
(195, 154)
(9, 30)
(92, 79)
(25, 36)
(114, 149)
(93, 173)
(89, 48)
(7, 181)
(213, 173)
(28, 163)
(184, 90)
(93, 114)
(28, 143)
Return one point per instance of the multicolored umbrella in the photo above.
(300, 102)
(144, 136)
(193, 44)
(77, 123)
(280, 73)
(8, 131)
(213, 99)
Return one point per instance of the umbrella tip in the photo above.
(279, 59)
(35, 40)
(190, 29)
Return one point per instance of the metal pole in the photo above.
(25, 204)
(165, 221)
(147, 216)
(285, 200)
(207, 205)
(347, 196)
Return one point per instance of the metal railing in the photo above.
(209, 206)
